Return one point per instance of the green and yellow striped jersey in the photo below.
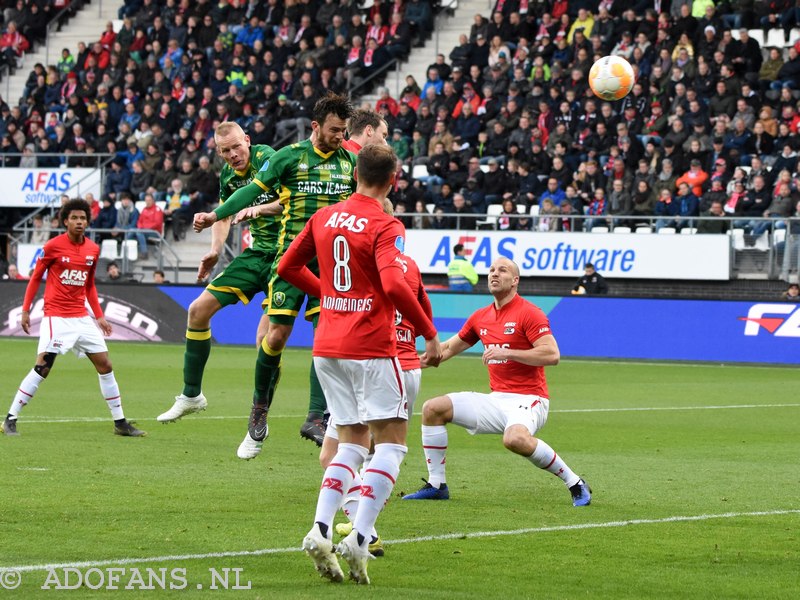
(265, 231)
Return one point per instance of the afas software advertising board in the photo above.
(585, 327)
(637, 256)
(42, 187)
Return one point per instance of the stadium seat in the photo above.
(485, 168)
(492, 212)
(118, 204)
(775, 38)
(746, 169)
(419, 171)
(758, 35)
(130, 249)
(737, 237)
(430, 207)
(689, 230)
(139, 205)
(762, 243)
(522, 209)
(779, 237)
(535, 210)
(644, 229)
(109, 249)
(622, 229)
(668, 230)
(599, 229)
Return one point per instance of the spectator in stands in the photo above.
(566, 218)
(106, 218)
(780, 208)
(792, 293)
(179, 209)
(12, 46)
(118, 180)
(718, 224)
(151, 218)
(462, 219)
(591, 283)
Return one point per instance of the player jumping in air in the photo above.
(242, 279)
(70, 261)
(306, 177)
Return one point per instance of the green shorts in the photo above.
(247, 275)
(285, 302)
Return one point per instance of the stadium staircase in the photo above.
(454, 18)
(86, 26)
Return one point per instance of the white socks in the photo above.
(110, 391)
(546, 458)
(25, 393)
(378, 484)
(337, 481)
(434, 443)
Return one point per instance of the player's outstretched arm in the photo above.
(452, 347)
(203, 220)
(253, 212)
(241, 198)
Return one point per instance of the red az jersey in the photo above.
(354, 241)
(516, 326)
(404, 330)
(70, 270)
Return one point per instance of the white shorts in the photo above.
(360, 391)
(411, 381)
(79, 334)
(497, 411)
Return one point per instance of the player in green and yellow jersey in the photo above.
(243, 278)
(306, 176)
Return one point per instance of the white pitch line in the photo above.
(427, 538)
(36, 420)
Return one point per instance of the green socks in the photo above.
(198, 347)
(268, 374)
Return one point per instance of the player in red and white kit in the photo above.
(412, 374)
(518, 344)
(361, 282)
(70, 260)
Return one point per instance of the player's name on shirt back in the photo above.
(341, 304)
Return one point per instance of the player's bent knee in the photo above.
(518, 440)
(43, 369)
(201, 310)
(437, 410)
(277, 337)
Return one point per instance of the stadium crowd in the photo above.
(506, 118)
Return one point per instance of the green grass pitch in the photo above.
(694, 470)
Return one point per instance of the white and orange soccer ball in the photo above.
(611, 78)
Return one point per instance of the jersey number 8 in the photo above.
(342, 280)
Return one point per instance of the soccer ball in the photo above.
(611, 78)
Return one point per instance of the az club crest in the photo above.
(278, 298)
